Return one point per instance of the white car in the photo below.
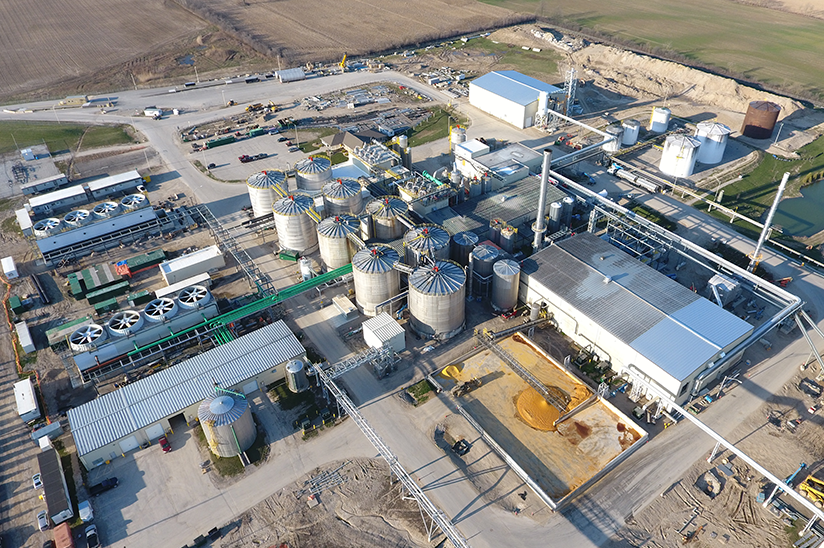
(38, 483)
(92, 540)
(86, 512)
(42, 521)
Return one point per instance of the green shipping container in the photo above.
(106, 306)
(289, 255)
(107, 293)
(146, 260)
(258, 131)
(15, 305)
(75, 289)
(220, 141)
(141, 297)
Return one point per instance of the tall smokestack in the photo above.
(539, 227)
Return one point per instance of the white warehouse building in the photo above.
(630, 314)
(513, 97)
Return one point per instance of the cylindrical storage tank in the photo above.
(313, 172)
(384, 212)
(615, 145)
(342, 196)
(483, 257)
(375, 277)
(295, 228)
(296, 378)
(713, 139)
(506, 275)
(228, 424)
(567, 205)
(678, 159)
(427, 239)
(457, 136)
(760, 120)
(436, 300)
(403, 142)
(462, 245)
(555, 215)
(336, 249)
(474, 188)
(495, 226)
(261, 187)
(631, 130)
(660, 119)
(508, 236)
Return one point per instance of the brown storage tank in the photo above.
(759, 122)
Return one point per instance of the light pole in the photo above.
(197, 78)
(55, 114)
(223, 94)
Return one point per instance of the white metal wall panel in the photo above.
(155, 431)
(128, 444)
(250, 387)
(497, 106)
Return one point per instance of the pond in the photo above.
(186, 60)
(802, 216)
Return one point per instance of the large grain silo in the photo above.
(427, 239)
(615, 145)
(678, 158)
(375, 277)
(342, 196)
(436, 300)
(660, 119)
(336, 249)
(631, 130)
(760, 120)
(713, 139)
(262, 194)
(384, 212)
(506, 275)
(462, 245)
(295, 228)
(313, 172)
(227, 421)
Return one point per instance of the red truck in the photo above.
(63, 536)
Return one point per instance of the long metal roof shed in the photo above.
(117, 414)
(514, 86)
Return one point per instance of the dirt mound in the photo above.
(535, 411)
(641, 76)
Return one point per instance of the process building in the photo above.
(631, 315)
(123, 420)
(513, 97)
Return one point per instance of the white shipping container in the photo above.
(27, 406)
(9, 269)
(24, 336)
(192, 264)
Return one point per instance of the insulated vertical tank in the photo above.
(296, 378)
(342, 196)
(713, 139)
(615, 145)
(660, 119)
(262, 194)
(427, 239)
(375, 277)
(457, 136)
(384, 212)
(555, 214)
(506, 275)
(462, 245)
(495, 226)
(227, 421)
(436, 300)
(313, 172)
(508, 236)
(336, 249)
(483, 257)
(295, 228)
(631, 130)
(760, 120)
(567, 205)
(678, 159)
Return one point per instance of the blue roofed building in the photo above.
(513, 97)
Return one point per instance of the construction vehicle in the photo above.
(272, 107)
(342, 63)
(813, 489)
(230, 103)
(463, 388)
(254, 107)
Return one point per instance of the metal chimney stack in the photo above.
(539, 227)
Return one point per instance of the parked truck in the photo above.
(63, 536)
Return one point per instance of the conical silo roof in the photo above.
(313, 164)
(221, 409)
(266, 179)
(426, 238)
(387, 207)
(445, 278)
(342, 188)
(376, 258)
(339, 226)
(294, 204)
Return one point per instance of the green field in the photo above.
(58, 137)
(435, 127)
(769, 46)
(538, 64)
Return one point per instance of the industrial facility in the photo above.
(513, 97)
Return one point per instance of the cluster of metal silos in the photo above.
(294, 223)
(336, 249)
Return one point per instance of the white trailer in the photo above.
(27, 406)
(9, 269)
(200, 261)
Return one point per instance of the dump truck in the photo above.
(463, 388)
(254, 107)
(813, 489)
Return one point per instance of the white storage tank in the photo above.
(436, 300)
(678, 159)
(660, 119)
(296, 229)
(262, 193)
(632, 128)
(506, 275)
(384, 212)
(313, 172)
(296, 378)
(227, 421)
(462, 245)
(555, 217)
(615, 145)
(457, 136)
(375, 277)
(567, 206)
(713, 138)
(336, 249)
(427, 239)
(342, 196)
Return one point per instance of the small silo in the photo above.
(261, 187)
(462, 245)
(509, 234)
(295, 228)
(342, 196)
(336, 249)
(427, 239)
(436, 299)
(226, 418)
(375, 277)
(483, 257)
(506, 275)
(614, 145)
(384, 212)
(631, 130)
(678, 158)
(760, 120)
(495, 226)
(713, 139)
(313, 172)
(457, 136)
(296, 378)
(567, 205)
(660, 119)
(555, 217)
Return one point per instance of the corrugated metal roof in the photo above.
(342, 188)
(383, 326)
(514, 86)
(189, 259)
(445, 278)
(387, 207)
(222, 409)
(95, 230)
(57, 195)
(105, 182)
(375, 258)
(661, 319)
(266, 179)
(118, 414)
